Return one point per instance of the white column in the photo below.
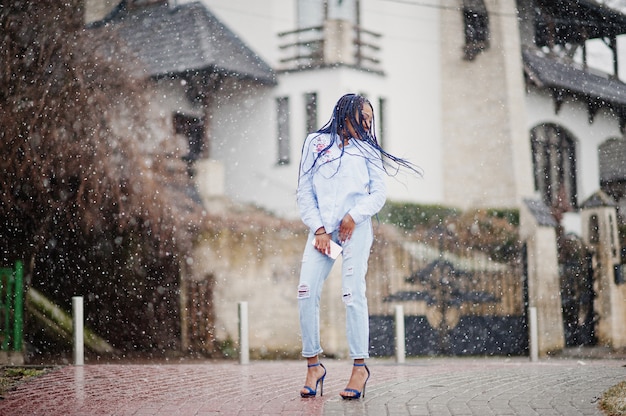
(77, 323)
(533, 334)
(400, 335)
(244, 345)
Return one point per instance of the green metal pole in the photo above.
(19, 307)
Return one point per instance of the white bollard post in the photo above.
(400, 335)
(244, 346)
(534, 334)
(77, 323)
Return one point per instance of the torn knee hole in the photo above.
(304, 291)
(347, 297)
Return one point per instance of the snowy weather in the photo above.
(175, 173)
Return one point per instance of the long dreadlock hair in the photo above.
(346, 109)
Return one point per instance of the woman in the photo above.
(340, 187)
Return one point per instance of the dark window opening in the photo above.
(612, 158)
(282, 110)
(193, 129)
(310, 100)
(476, 20)
(594, 230)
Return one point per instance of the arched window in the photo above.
(554, 165)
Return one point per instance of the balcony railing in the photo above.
(336, 42)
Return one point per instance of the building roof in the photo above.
(185, 38)
(540, 212)
(547, 72)
(598, 199)
(566, 21)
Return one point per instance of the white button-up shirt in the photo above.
(339, 184)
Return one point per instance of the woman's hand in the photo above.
(346, 228)
(322, 241)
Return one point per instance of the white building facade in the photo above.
(404, 90)
(466, 123)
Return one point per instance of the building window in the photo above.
(612, 236)
(314, 12)
(554, 164)
(193, 129)
(310, 101)
(476, 20)
(594, 229)
(282, 110)
(612, 160)
(382, 103)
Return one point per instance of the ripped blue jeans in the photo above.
(314, 272)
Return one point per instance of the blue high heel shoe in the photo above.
(357, 394)
(320, 381)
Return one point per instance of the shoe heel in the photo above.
(321, 381)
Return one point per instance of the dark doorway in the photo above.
(577, 294)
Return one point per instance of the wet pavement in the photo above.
(421, 386)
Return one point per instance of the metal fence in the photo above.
(456, 299)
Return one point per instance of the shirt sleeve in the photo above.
(306, 198)
(370, 204)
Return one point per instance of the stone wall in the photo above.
(258, 264)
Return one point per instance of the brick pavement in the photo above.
(421, 386)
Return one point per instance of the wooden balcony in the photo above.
(337, 42)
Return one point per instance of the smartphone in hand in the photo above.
(335, 249)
